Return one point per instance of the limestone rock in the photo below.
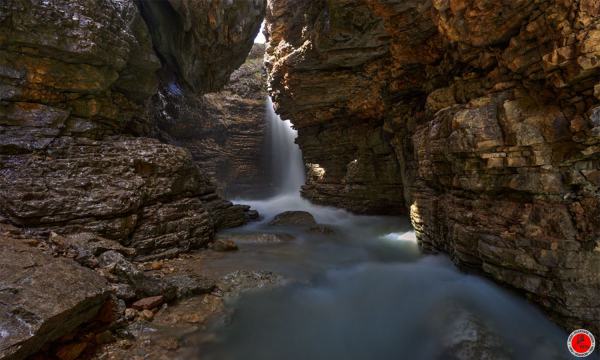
(257, 238)
(42, 298)
(224, 131)
(203, 42)
(223, 245)
(294, 218)
(477, 117)
(76, 78)
(128, 274)
(190, 285)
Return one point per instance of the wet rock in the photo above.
(190, 285)
(224, 131)
(491, 161)
(223, 245)
(252, 215)
(466, 338)
(258, 238)
(75, 125)
(236, 282)
(129, 274)
(189, 36)
(148, 303)
(124, 291)
(87, 246)
(321, 229)
(294, 218)
(42, 297)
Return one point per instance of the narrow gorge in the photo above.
(433, 192)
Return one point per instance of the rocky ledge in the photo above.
(81, 173)
(224, 131)
(76, 82)
(481, 118)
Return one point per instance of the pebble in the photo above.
(130, 313)
(147, 314)
(148, 303)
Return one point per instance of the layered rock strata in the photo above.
(224, 131)
(482, 118)
(76, 78)
(43, 297)
(77, 158)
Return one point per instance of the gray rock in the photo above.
(42, 298)
(294, 218)
(190, 285)
(257, 238)
(128, 273)
(239, 281)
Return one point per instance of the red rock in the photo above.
(148, 303)
(71, 351)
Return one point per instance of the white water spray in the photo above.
(287, 165)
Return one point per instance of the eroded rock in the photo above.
(294, 218)
(478, 117)
(42, 297)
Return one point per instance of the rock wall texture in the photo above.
(43, 297)
(224, 131)
(76, 79)
(482, 118)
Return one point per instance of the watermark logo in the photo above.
(581, 343)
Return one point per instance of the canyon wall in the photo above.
(80, 156)
(224, 131)
(481, 118)
(77, 80)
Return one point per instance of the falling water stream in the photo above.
(365, 291)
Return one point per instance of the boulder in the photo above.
(42, 298)
(257, 238)
(148, 303)
(294, 218)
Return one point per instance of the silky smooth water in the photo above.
(365, 292)
(286, 165)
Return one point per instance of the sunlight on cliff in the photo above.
(315, 171)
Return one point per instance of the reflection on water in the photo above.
(366, 293)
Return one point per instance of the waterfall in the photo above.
(286, 164)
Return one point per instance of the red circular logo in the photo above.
(581, 343)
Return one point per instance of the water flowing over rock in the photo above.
(480, 118)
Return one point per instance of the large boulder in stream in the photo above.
(294, 218)
(42, 298)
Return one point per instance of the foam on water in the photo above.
(365, 291)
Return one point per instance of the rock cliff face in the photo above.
(225, 131)
(76, 78)
(482, 118)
